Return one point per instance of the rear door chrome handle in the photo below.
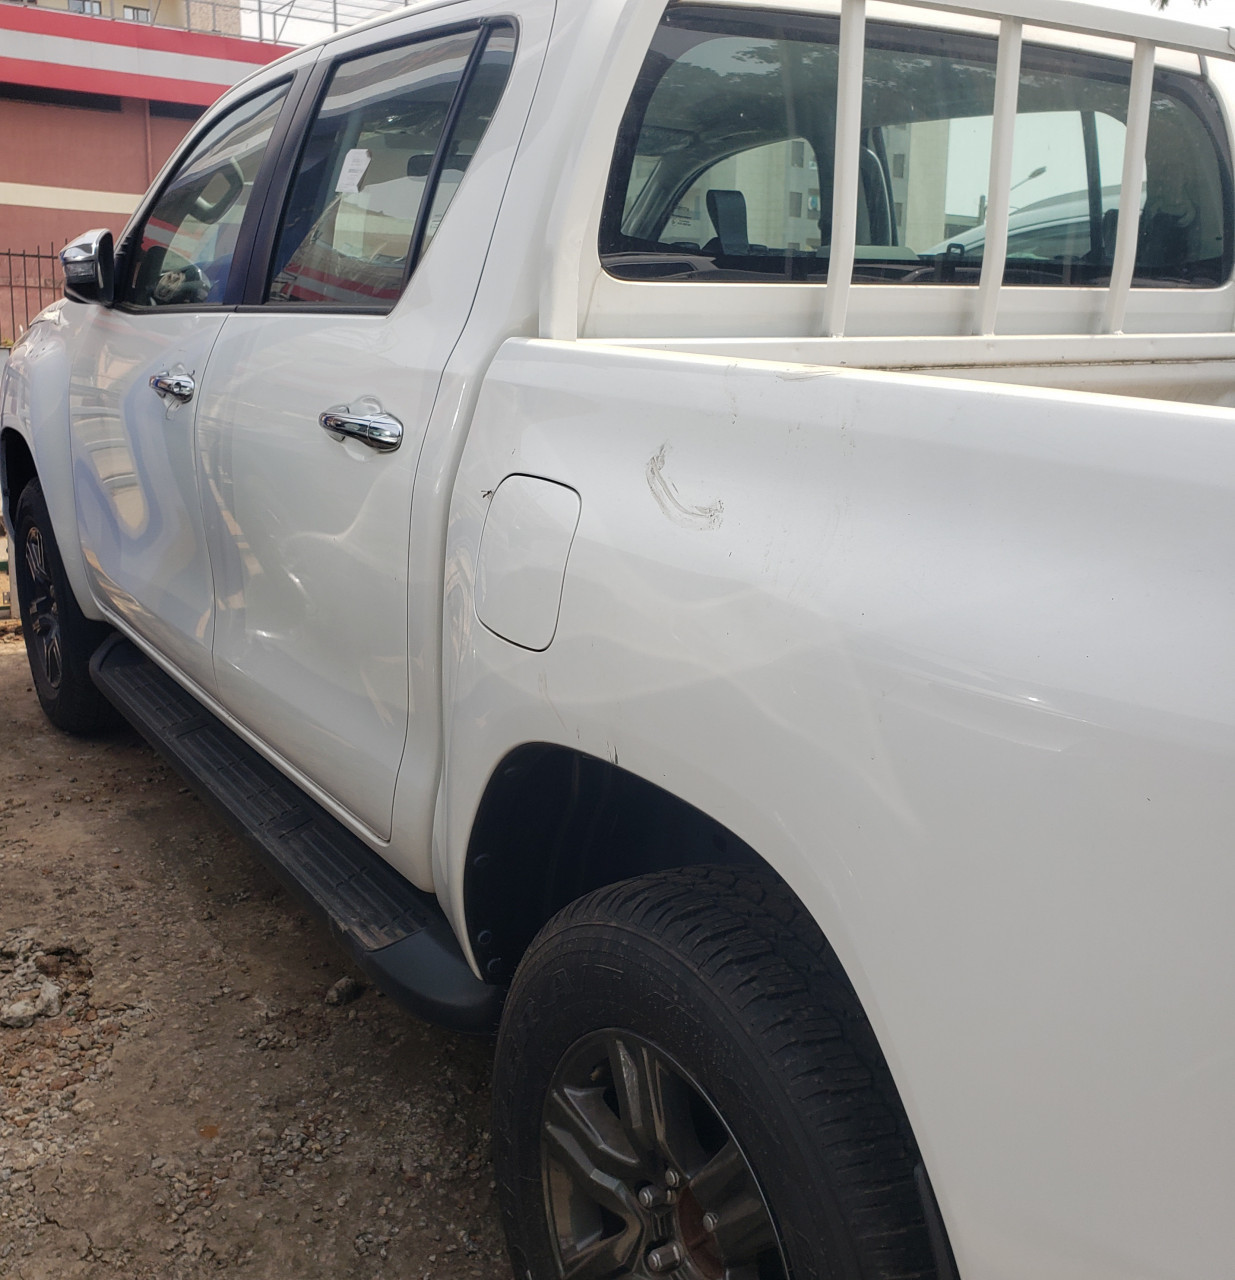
(179, 386)
(378, 430)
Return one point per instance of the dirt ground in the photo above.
(184, 1100)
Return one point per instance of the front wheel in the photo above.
(60, 639)
(686, 1085)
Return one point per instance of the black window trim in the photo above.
(241, 255)
(276, 196)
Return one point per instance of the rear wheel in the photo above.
(685, 1084)
(60, 639)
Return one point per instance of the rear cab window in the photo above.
(723, 169)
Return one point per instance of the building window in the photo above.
(795, 205)
(798, 155)
(94, 7)
(136, 15)
(58, 97)
(174, 110)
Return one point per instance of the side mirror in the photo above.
(90, 268)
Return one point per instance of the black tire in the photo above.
(782, 1150)
(60, 639)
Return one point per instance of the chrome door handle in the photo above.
(378, 430)
(179, 385)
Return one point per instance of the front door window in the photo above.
(184, 255)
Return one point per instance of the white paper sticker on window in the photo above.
(354, 165)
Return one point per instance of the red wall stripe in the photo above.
(138, 35)
(51, 75)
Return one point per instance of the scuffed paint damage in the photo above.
(665, 492)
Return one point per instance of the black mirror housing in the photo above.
(90, 268)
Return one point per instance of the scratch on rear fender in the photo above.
(666, 494)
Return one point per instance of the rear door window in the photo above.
(386, 152)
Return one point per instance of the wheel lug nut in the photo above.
(710, 1222)
(665, 1257)
(653, 1197)
(672, 1178)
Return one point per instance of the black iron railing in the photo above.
(29, 280)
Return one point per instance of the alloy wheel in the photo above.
(643, 1177)
(42, 611)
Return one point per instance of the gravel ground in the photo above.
(192, 1077)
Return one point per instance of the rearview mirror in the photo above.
(90, 268)
(211, 210)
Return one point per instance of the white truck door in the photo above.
(318, 392)
(134, 392)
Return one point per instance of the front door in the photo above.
(134, 394)
(317, 396)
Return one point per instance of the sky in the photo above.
(1217, 13)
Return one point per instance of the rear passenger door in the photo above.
(318, 390)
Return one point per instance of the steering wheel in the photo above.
(181, 284)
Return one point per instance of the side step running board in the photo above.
(397, 933)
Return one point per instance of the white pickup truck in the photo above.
(708, 533)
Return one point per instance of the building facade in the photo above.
(94, 96)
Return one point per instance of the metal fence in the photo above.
(299, 21)
(29, 280)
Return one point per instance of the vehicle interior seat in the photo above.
(875, 225)
(727, 209)
(418, 165)
(1110, 226)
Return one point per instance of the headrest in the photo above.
(418, 166)
(727, 209)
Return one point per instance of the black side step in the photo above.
(397, 933)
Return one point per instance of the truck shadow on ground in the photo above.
(190, 1102)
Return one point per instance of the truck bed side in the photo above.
(954, 659)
